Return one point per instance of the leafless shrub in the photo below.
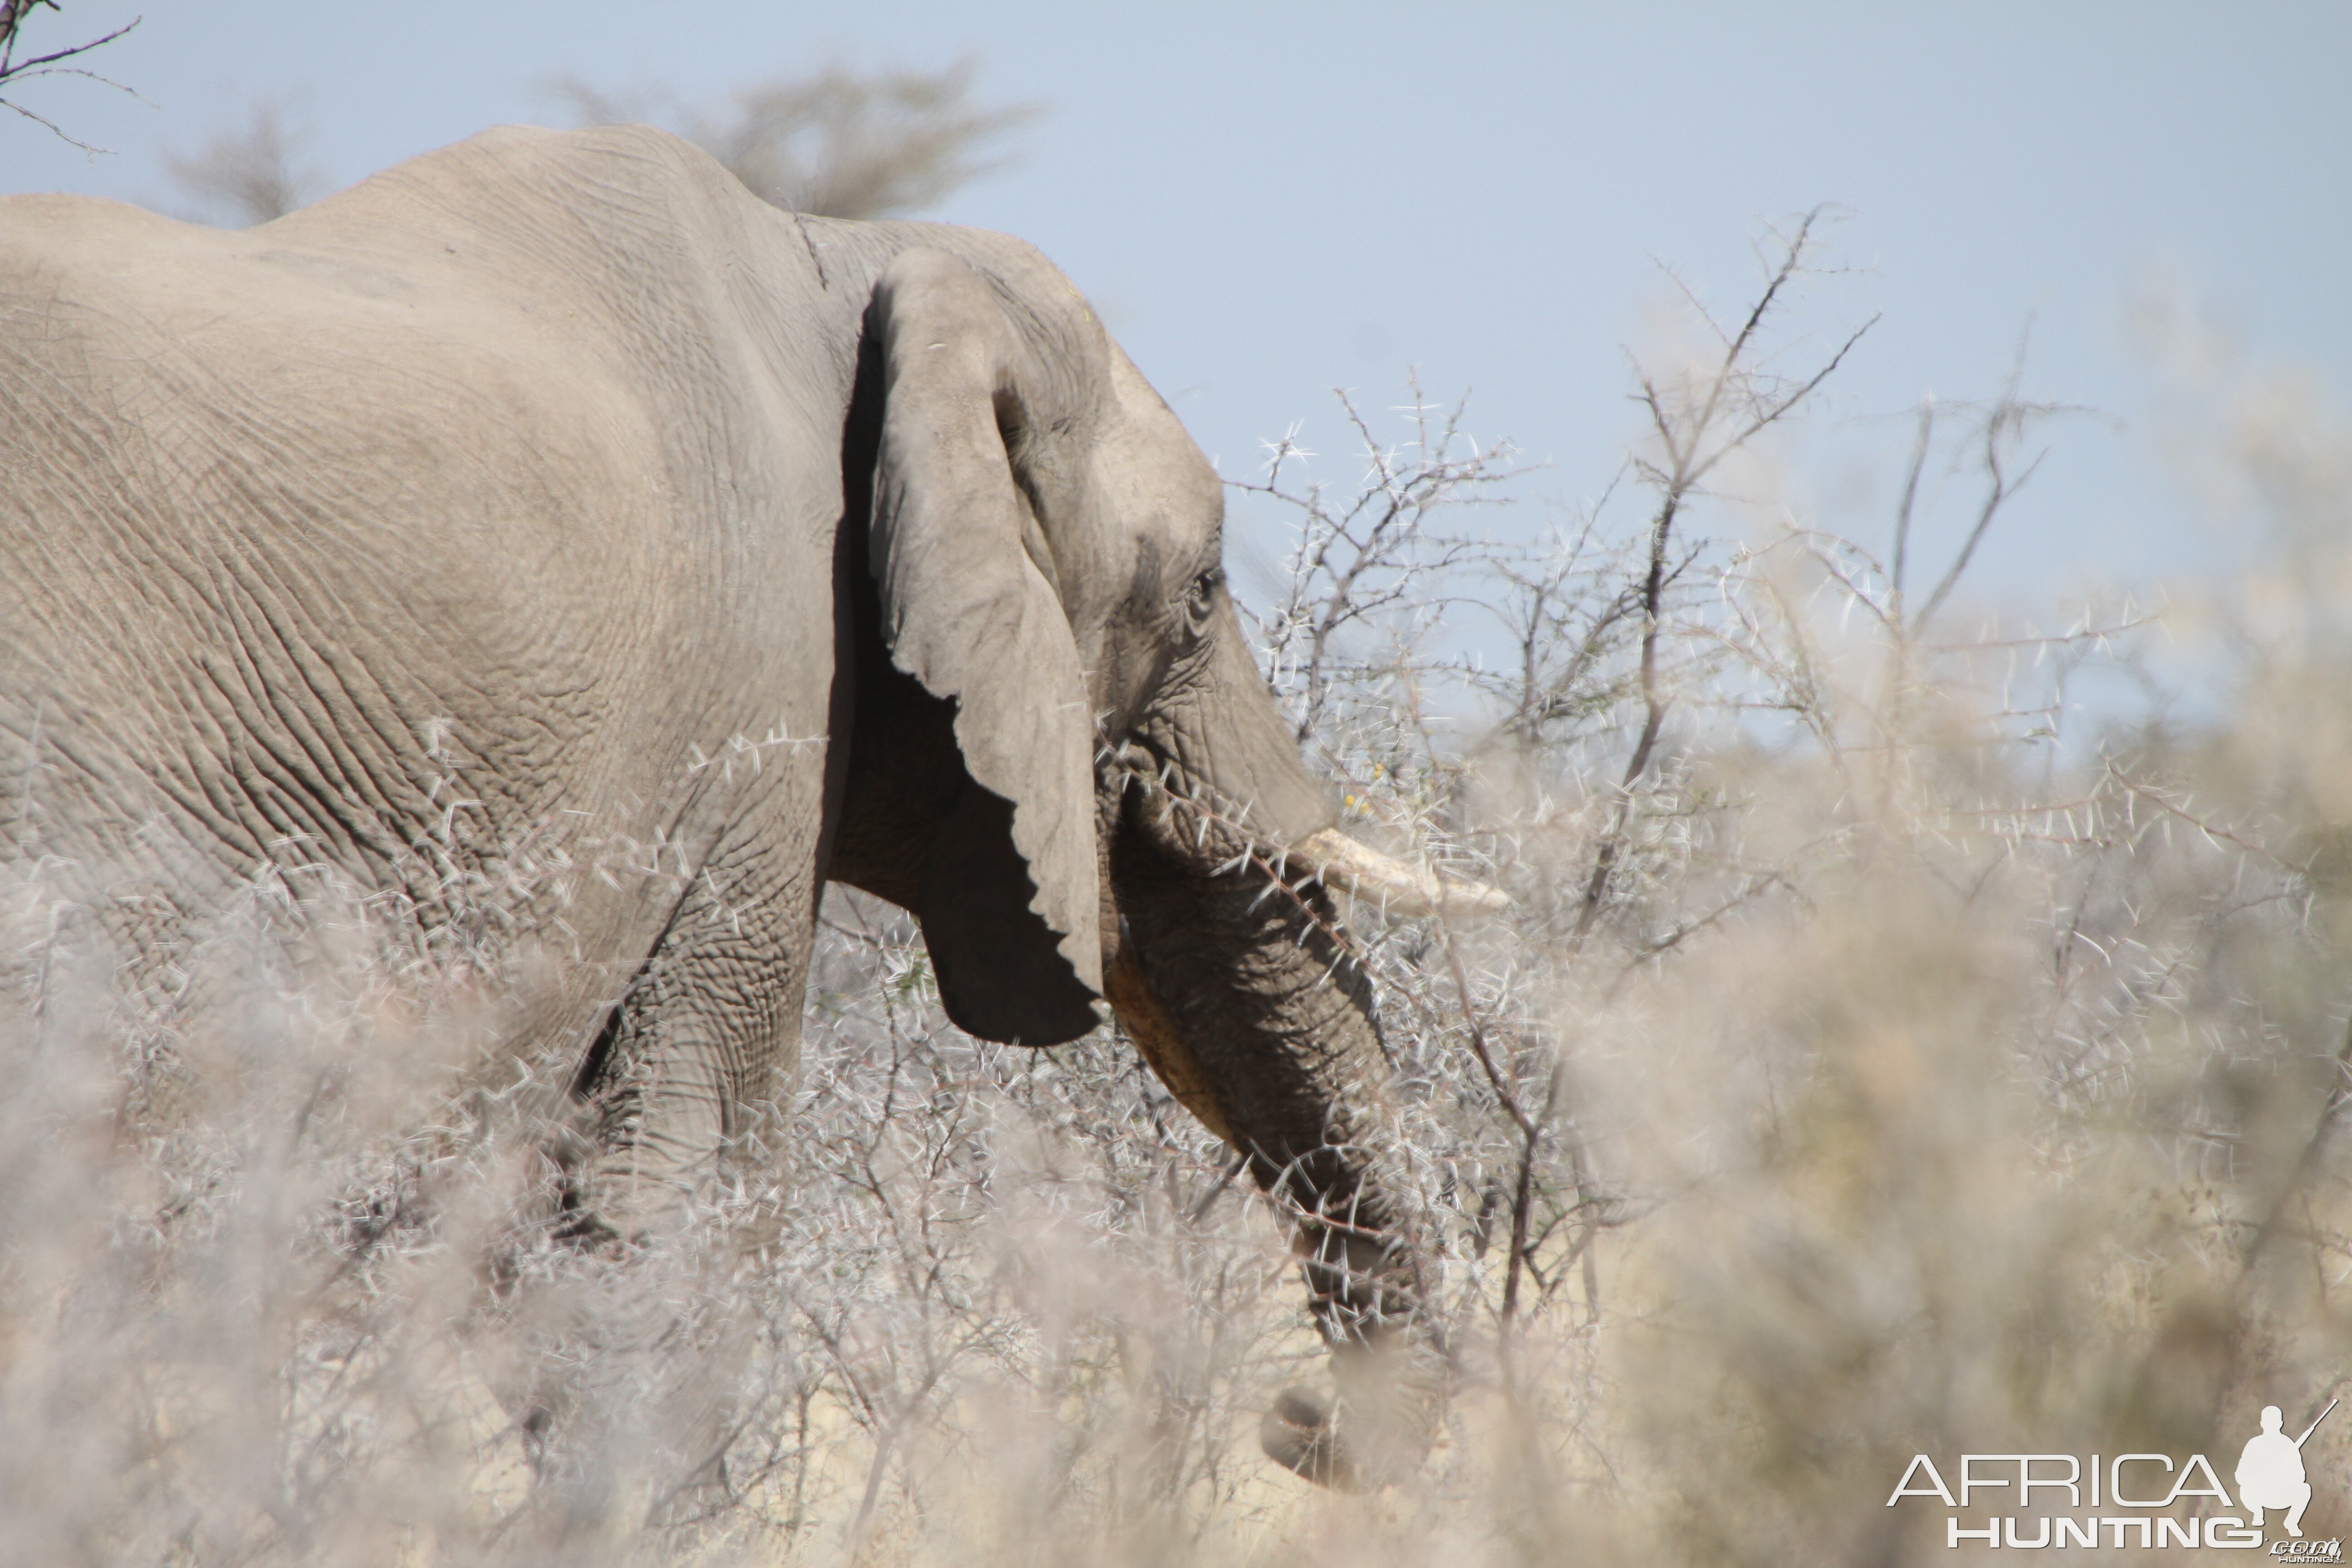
(1794, 755)
(836, 142)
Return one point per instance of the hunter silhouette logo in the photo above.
(2269, 1472)
(2131, 1499)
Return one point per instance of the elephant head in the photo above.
(1067, 763)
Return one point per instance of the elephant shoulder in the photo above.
(623, 165)
(48, 237)
(38, 215)
(631, 228)
(613, 188)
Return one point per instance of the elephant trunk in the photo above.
(1236, 981)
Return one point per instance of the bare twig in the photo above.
(1735, 391)
(13, 14)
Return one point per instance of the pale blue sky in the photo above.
(1267, 201)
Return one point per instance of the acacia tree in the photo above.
(253, 171)
(834, 143)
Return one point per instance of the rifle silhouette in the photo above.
(2313, 1427)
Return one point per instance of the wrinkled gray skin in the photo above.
(533, 475)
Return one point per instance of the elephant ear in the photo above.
(1009, 899)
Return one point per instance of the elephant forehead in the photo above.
(1153, 475)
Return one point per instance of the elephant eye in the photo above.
(1202, 596)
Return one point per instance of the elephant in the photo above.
(550, 478)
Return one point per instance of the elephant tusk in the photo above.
(1401, 889)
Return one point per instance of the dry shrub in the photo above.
(1863, 1070)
